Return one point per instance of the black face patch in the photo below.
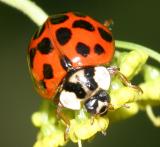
(105, 35)
(76, 88)
(91, 83)
(82, 49)
(83, 24)
(79, 14)
(57, 19)
(45, 46)
(98, 49)
(66, 63)
(39, 32)
(91, 105)
(32, 53)
(63, 35)
(47, 71)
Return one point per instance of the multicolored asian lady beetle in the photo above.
(66, 57)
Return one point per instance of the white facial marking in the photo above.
(102, 77)
(100, 105)
(69, 100)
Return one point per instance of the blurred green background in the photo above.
(134, 20)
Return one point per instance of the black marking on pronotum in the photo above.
(32, 53)
(98, 49)
(83, 24)
(105, 35)
(89, 72)
(42, 84)
(91, 83)
(79, 14)
(45, 46)
(63, 35)
(47, 71)
(66, 63)
(76, 88)
(57, 19)
(39, 32)
(82, 49)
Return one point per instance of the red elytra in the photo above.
(68, 37)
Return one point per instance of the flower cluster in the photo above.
(126, 102)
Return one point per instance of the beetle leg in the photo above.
(92, 119)
(108, 23)
(62, 116)
(113, 70)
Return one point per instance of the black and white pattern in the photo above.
(82, 85)
(98, 103)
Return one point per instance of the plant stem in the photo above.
(134, 46)
(155, 119)
(79, 143)
(35, 13)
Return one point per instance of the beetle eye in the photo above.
(103, 110)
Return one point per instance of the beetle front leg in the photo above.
(62, 116)
(115, 71)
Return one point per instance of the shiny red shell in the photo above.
(68, 37)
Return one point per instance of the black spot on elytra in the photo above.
(79, 14)
(105, 35)
(66, 63)
(83, 24)
(98, 49)
(57, 19)
(82, 49)
(91, 83)
(63, 35)
(39, 32)
(76, 88)
(32, 53)
(47, 71)
(42, 84)
(45, 46)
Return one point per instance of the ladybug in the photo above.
(66, 59)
